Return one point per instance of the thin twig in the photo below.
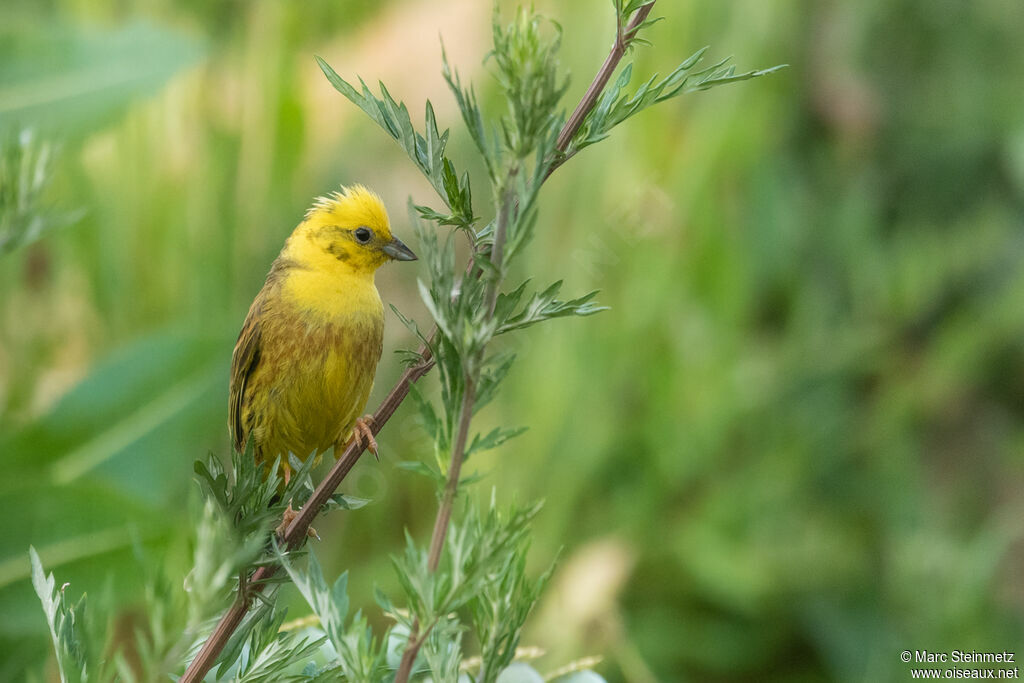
(444, 511)
(597, 86)
(295, 535)
(444, 514)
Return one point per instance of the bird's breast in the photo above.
(318, 373)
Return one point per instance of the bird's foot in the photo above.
(362, 433)
(286, 521)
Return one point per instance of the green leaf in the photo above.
(493, 439)
(129, 421)
(421, 468)
(614, 107)
(346, 502)
(494, 370)
(471, 116)
(68, 81)
(329, 603)
(64, 620)
(544, 306)
(426, 151)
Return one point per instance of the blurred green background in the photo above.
(793, 447)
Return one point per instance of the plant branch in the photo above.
(444, 515)
(444, 511)
(597, 86)
(295, 535)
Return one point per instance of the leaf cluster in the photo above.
(426, 150)
(92, 644)
(253, 498)
(616, 104)
(26, 170)
(66, 621)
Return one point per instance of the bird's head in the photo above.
(347, 230)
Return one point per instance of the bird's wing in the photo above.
(243, 361)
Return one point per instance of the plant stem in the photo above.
(597, 86)
(295, 535)
(444, 511)
(444, 515)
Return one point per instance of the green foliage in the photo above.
(541, 306)
(527, 71)
(26, 167)
(476, 550)
(269, 654)
(74, 81)
(328, 603)
(499, 612)
(614, 106)
(426, 151)
(66, 622)
(91, 647)
(254, 497)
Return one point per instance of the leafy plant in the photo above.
(471, 577)
(26, 169)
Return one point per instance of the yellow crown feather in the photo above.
(352, 205)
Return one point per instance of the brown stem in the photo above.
(295, 535)
(444, 511)
(597, 86)
(444, 515)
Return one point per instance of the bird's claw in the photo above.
(362, 432)
(286, 520)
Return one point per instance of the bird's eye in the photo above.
(363, 235)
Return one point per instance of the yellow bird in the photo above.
(304, 362)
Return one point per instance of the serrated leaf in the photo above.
(346, 502)
(421, 468)
(426, 151)
(493, 439)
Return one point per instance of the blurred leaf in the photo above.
(69, 81)
(85, 533)
(135, 422)
(346, 502)
(520, 672)
(586, 676)
(61, 618)
(26, 166)
(493, 439)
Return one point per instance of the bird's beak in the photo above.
(398, 251)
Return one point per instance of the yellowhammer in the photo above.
(304, 362)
